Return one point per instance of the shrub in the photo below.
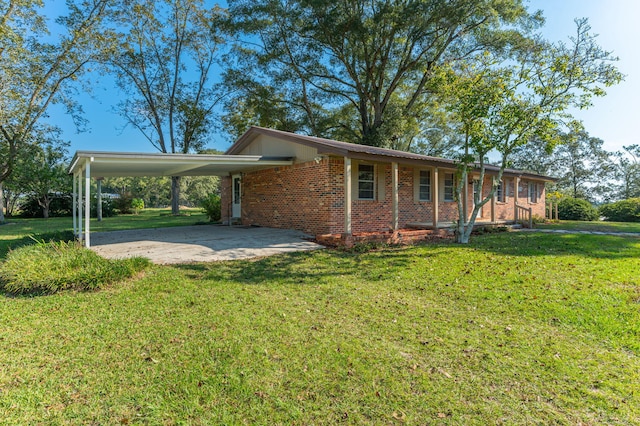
(55, 266)
(137, 204)
(489, 229)
(123, 203)
(576, 209)
(622, 211)
(61, 205)
(212, 208)
(538, 219)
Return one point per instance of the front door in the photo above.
(236, 195)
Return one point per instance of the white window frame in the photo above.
(533, 195)
(452, 186)
(372, 181)
(501, 195)
(424, 185)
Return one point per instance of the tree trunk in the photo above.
(463, 231)
(1, 204)
(45, 203)
(175, 195)
(460, 199)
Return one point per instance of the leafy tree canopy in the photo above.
(497, 107)
(37, 68)
(162, 55)
(358, 71)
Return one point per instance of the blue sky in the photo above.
(612, 118)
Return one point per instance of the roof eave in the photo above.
(328, 147)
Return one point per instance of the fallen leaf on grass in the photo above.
(399, 415)
(444, 373)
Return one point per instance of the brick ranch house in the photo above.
(338, 188)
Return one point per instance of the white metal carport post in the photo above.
(74, 206)
(80, 204)
(87, 201)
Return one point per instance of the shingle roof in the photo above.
(362, 152)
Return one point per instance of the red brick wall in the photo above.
(504, 210)
(537, 208)
(295, 197)
(310, 197)
(336, 204)
(375, 215)
(409, 210)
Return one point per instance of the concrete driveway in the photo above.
(203, 243)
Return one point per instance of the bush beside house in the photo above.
(212, 207)
(622, 211)
(576, 209)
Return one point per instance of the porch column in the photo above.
(74, 206)
(347, 195)
(516, 184)
(394, 195)
(87, 203)
(436, 197)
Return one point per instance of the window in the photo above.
(449, 183)
(366, 181)
(533, 192)
(500, 193)
(425, 185)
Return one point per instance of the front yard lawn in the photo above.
(599, 226)
(515, 328)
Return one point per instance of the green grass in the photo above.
(515, 328)
(49, 267)
(599, 226)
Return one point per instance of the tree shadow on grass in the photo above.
(302, 268)
(544, 244)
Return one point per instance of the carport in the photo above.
(86, 165)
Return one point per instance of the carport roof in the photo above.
(125, 164)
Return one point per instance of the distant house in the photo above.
(334, 187)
